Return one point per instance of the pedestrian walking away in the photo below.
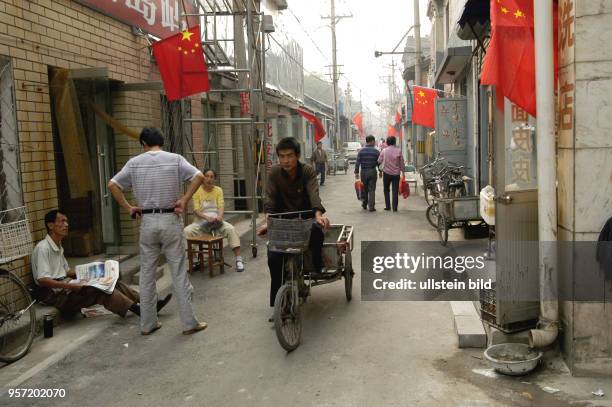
(392, 163)
(156, 178)
(319, 161)
(367, 161)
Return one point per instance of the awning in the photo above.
(454, 60)
(474, 20)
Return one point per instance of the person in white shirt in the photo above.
(55, 278)
(156, 178)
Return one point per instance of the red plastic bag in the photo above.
(359, 189)
(404, 188)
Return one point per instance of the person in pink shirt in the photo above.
(392, 167)
(382, 145)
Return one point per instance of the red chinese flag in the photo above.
(392, 131)
(510, 60)
(424, 106)
(319, 130)
(181, 64)
(398, 116)
(358, 122)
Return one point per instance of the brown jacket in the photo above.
(286, 195)
(319, 157)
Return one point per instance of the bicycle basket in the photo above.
(288, 233)
(15, 236)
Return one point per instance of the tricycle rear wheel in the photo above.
(348, 276)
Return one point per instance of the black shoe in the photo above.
(394, 210)
(271, 319)
(372, 210)
(364, 206)
(135, 308)
(387, 209)
(162, 303)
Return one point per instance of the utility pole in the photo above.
(392, 89)
(349, 111)
(335, 19)
(417, 131)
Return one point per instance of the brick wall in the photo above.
(38, 34)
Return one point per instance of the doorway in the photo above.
(84, 159)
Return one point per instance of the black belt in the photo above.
(157, 210)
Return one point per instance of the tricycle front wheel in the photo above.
(287, 318)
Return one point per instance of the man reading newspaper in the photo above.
(96, 284)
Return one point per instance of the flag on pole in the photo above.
(510, 60)
(392, 131)
(181, 64)
(319, 130)
(358, 122)
(424, 106)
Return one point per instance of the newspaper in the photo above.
(101, 275)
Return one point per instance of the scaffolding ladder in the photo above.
(250, 76)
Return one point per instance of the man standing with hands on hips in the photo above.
(156, 178)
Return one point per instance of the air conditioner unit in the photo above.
(280, 4)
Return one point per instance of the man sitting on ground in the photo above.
(52, 273)
(209, 207)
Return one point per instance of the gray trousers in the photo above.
(368, 177)
(163, 233)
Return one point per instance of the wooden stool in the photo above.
(209, 245)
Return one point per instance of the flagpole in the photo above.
(546, 172)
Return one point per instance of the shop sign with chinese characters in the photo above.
(157, 17)
(451, 129)
(567, 73)
(521, 166)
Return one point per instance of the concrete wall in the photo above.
(585, 168)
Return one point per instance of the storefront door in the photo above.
(516, 216)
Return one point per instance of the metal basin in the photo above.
(514, 359)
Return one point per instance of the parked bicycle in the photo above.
(17, 314)
(450, 182)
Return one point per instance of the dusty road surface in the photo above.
(352, 354)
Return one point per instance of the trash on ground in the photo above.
(598, 393)
(527, 395)
(486, 372)
(550, 390)
(95, 311)
(125, 345)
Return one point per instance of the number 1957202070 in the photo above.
(36, 393)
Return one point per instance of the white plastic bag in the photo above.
(487, 204)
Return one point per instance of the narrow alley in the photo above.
(344, 358)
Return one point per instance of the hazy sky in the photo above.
(375, 25)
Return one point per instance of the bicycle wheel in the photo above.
(17, 318)
(432, 215)
(428, 197)
(443, 230)
(287, 318)
(348, 275)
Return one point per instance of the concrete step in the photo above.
(468, 326)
